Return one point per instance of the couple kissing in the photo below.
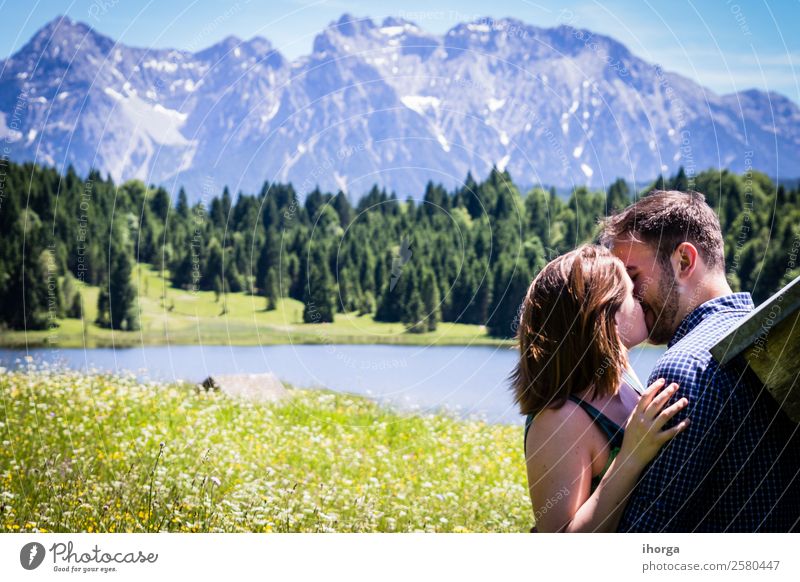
(701, 448)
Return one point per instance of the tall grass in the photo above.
(99, 453)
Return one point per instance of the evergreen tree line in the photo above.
(466, 255)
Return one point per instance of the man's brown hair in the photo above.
(567, 334)
(664, 219)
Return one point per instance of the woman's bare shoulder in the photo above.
(561, 427)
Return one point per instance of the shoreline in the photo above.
(126, 342)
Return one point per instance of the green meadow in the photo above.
(94, 453)
(177, 316)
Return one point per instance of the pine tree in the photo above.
(342, 206)
(349, 291)
(103, 318)
(318, 300)
(211, 279)
(271, 291)
(23, 277)
(680, 181)
(400, 280)
(268, 259)
(431, 300)
(539, 213)
(234, 282)
(618, 197)
(116, 304)
(367, 303)
(75, 310)
(183, 270)
(69, 291)
(182, 207)
(123, 293)
(511, 281)
(160, 204)
(414, 313)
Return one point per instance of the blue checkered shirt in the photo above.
(735, 468)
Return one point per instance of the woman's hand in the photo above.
(643, 434)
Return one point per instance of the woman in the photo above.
(578, 320)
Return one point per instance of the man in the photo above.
(735, 468)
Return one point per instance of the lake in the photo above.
(465, 380)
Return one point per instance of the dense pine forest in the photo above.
(455, 256)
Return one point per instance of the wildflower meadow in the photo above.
(101, 453)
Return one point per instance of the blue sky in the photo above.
(727, 45)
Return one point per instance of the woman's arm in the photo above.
(559, 464)
(560, 492)
(601, 512)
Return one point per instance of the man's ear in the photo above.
(685, 260)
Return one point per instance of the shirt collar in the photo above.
(732, 302)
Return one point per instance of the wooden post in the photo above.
(769, 341)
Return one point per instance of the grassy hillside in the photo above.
(176, 316)
(102, 453)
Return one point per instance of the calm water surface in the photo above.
(468, 381)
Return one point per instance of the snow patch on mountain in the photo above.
(420, 103)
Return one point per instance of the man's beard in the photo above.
(665, 310)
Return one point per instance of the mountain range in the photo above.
(385, 103)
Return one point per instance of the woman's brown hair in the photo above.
(567, 334)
